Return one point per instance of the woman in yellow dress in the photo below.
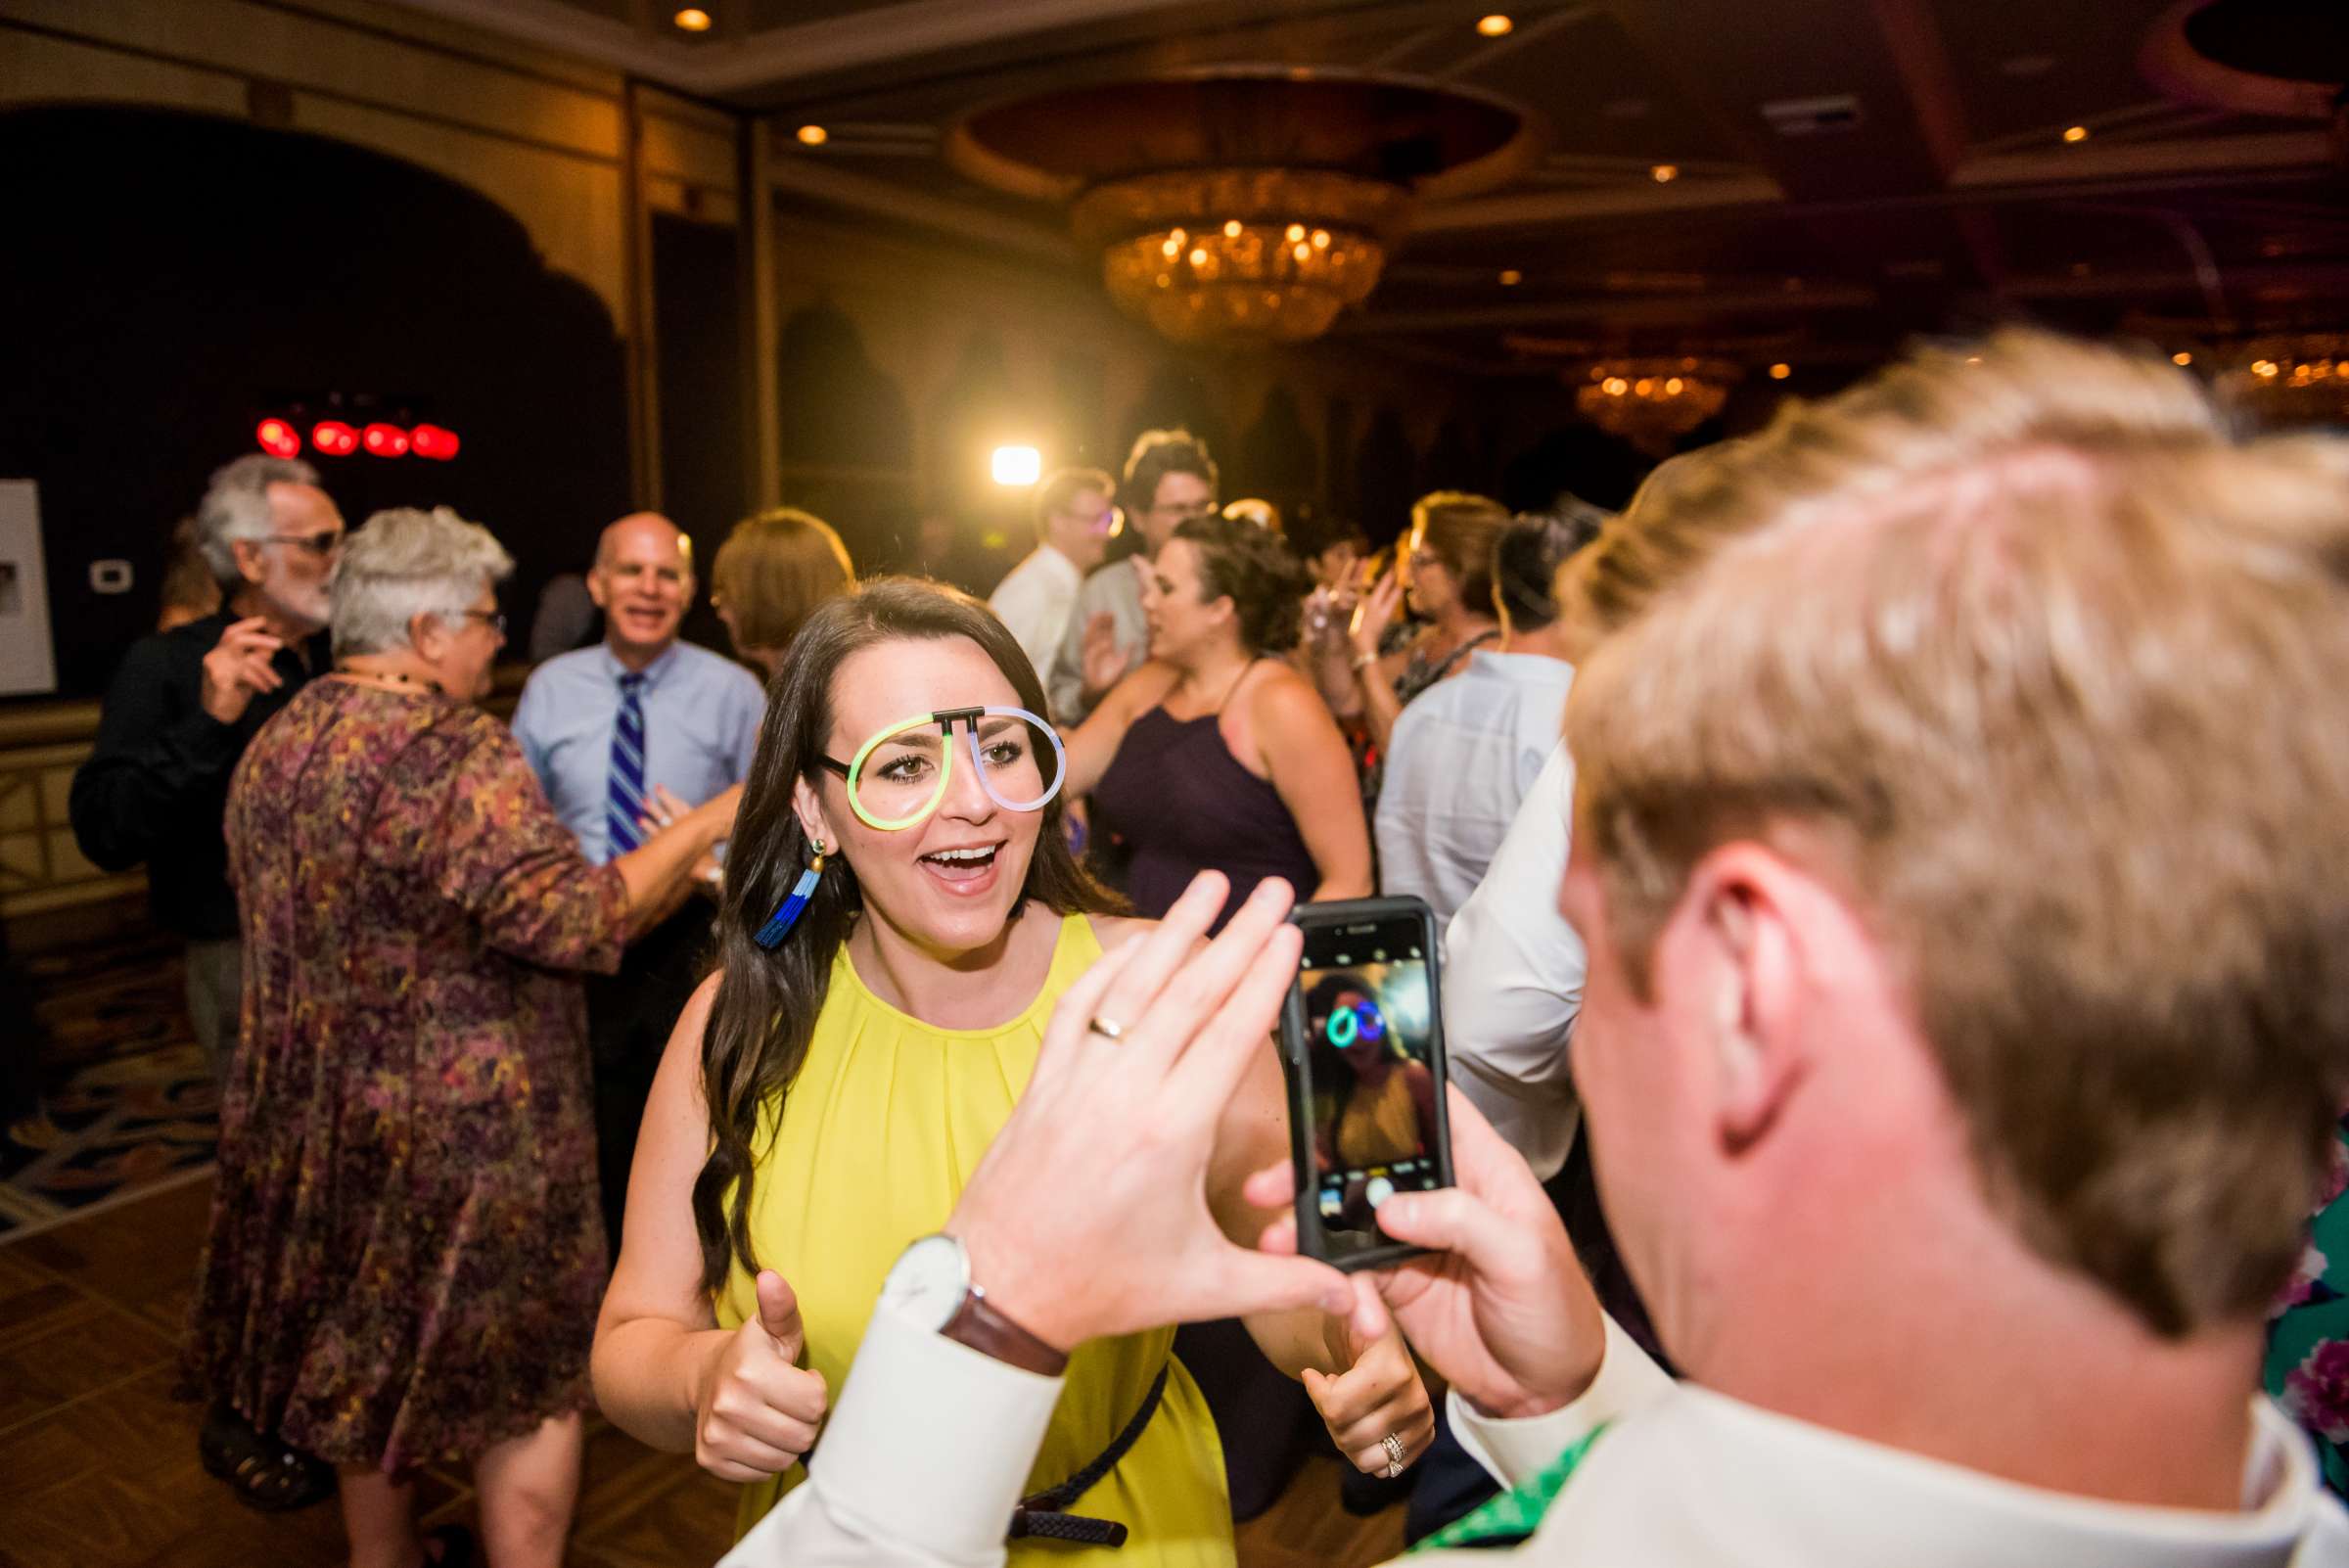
(901, 912)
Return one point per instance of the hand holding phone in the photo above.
(1361, 1042)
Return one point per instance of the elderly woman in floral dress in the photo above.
(406, 1257)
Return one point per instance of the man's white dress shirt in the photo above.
(1463, 757)
(931, 1443)
(1514, 978)
(1035, 600)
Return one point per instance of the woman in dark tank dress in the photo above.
(1218, 755)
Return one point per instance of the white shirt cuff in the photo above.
(1513, 1450)
(929, 1446)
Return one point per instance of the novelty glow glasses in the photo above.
(1358, 1020)
(898, 778)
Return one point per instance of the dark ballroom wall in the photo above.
(182, 269)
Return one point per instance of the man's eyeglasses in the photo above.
(323, 543)
(899, 776)
(494, 619)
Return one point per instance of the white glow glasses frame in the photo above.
(886, 774)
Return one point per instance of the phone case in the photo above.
(1312, 1239)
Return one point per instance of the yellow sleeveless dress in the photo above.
(877, 1137)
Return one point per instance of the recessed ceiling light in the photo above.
(1665, 173)
(1781, 371)
(1496, 25)
(815, 135)
(693, 18)
(1510, 277)
(2181, 357)
(2075, 133)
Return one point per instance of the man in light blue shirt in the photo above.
(603, 729)
(701, 709)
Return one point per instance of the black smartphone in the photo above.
(1362, 1042)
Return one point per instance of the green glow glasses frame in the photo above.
(900, 775)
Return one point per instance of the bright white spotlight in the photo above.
(1018, 465)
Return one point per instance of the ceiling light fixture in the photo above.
(2293, 379)
(1781, 371)
(1496, 25)
(2075, 133)
(815, 135)
(2181, 357)
(1665, 173)
(1243, 206)
(692, 18)
(1510, 277)
(1653, 404)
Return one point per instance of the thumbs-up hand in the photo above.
(1376, 1393)
(755, 1411)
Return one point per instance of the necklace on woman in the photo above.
(391, 677)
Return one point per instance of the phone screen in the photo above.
(1372, 1080)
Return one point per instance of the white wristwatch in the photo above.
(931, 1286)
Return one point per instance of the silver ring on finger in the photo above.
(1108, 1031)
(1394, 1447)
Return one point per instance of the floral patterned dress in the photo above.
(406, 1254)
(2308, 1331)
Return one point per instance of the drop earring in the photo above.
(787, 913)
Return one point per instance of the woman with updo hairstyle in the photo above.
(773, 571)
(1216, 754)
(901, 915)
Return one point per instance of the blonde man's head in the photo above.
(2026, 651)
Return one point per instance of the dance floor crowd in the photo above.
(1894, 979)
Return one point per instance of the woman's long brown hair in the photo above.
(766, 1006)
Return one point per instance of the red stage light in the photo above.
(278, 438)
(334, 439)
(384, 440)
(431, 440)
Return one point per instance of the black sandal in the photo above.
(263, 1472)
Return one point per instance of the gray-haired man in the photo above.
(184, 704)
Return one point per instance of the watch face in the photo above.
(929, 1282)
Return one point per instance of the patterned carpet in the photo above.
(130, 1104)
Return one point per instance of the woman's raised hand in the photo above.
(755, 1411)
(1104, 662)
(1374, 614)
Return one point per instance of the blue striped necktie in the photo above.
(623, 797)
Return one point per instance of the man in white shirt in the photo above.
(1170, 480)
(1465, 751)
(1073, 522)
(1514, 966)
(1962, 1040)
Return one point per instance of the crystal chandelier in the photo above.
(1290, 250)
(1653, 404)
(2294, 380)
(1244, 205)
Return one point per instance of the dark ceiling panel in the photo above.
(1946, 201)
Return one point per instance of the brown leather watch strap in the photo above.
(987, 1331)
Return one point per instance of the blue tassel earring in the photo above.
(787, 913)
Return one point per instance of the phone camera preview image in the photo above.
(1367, 1038)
